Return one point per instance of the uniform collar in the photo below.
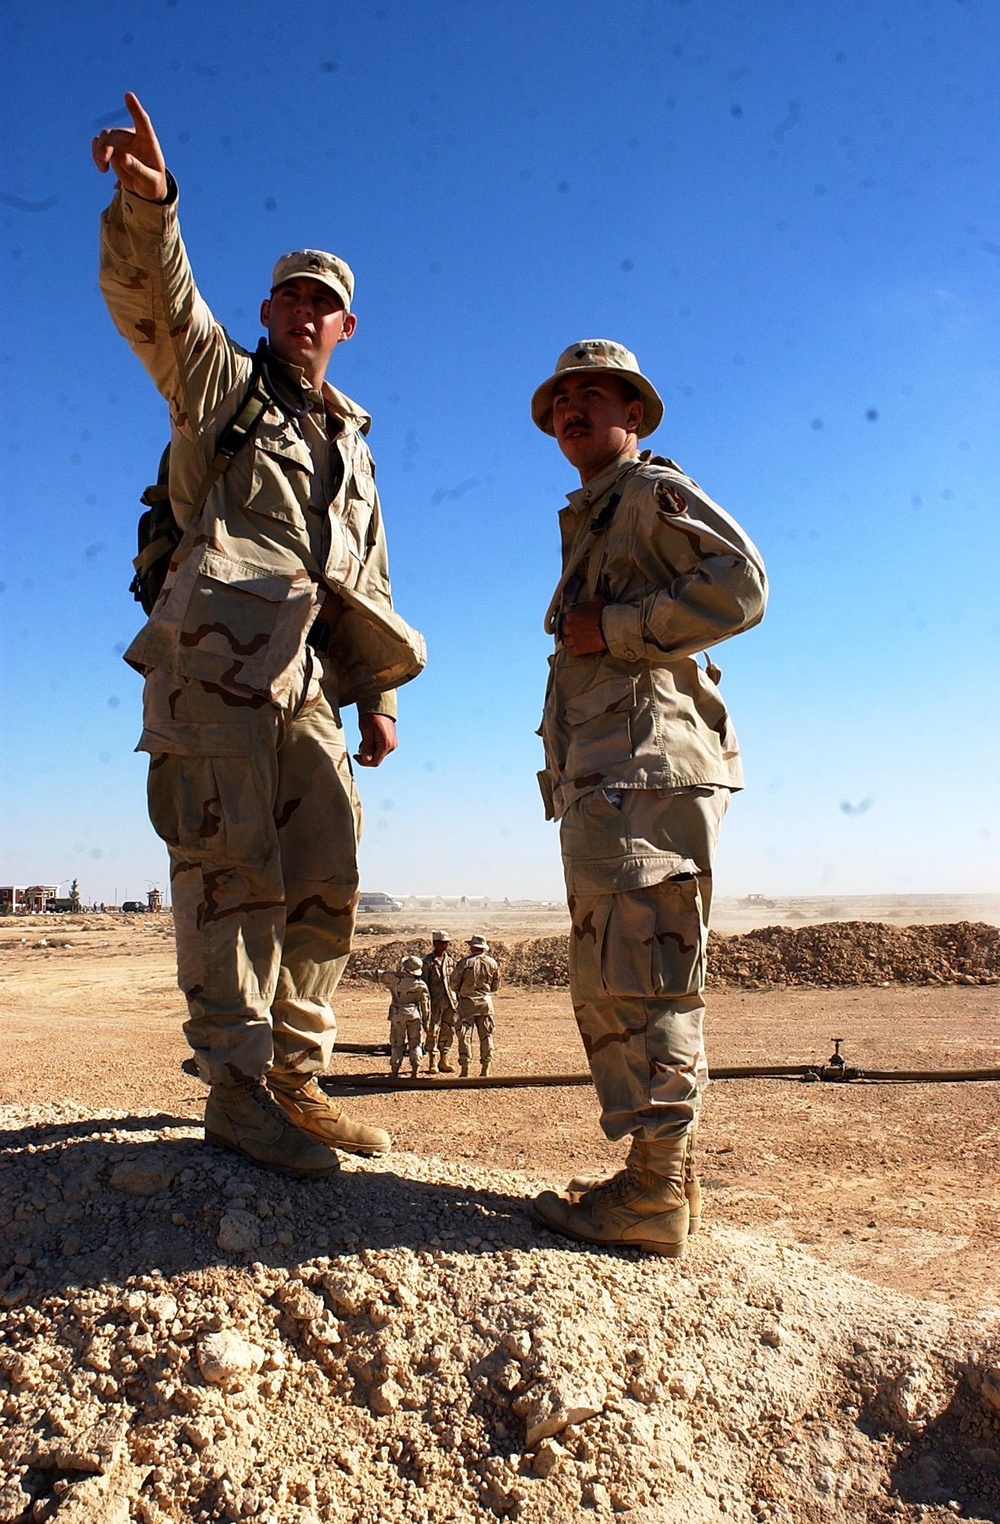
(329, 400)
(586, 498)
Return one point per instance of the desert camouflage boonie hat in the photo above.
(315, 264)
(479, 943)
(440, 936)
(411, 965)
(598, 354)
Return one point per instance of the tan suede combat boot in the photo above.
(431, 1064)
(464, 1068)
(443, 1065)
(642, 1207)
(692, 1184)
(484, 1070)
(242, 1115)
(305, 1104)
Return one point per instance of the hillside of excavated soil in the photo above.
(184, 1337)
(835, 954)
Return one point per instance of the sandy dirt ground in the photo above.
(896, 1183)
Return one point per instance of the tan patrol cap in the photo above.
(410, 965)
(598, 354)
(479, 943)
(315, 264)
(440, 936)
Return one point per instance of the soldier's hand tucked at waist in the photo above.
(581, 628)
(134, 154)
(378, 739)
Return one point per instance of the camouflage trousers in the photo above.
(404, 1040)
(638, 865)
(475, 1013)
(439, 1033)
(261, 820)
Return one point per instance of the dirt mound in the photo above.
(834, 954)
(185, 1337)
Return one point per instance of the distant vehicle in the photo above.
(759, 901)
(368, 903)
(61, 907)
(134, 907)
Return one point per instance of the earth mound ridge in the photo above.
(185, 1337)
(836, 953)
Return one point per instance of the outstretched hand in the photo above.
(133, 153)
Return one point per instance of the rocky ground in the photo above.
(185, 1337)
(188, 1338)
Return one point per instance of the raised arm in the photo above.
(133, 153)
(147, 282)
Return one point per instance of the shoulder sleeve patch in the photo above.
(670, 498)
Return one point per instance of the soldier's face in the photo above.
(305, 322)
(594, 421)
(440, 947)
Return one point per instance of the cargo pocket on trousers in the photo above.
(208, 807)
(646, 944)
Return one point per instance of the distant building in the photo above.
(447, 902)
(155, 898)
(18, 899)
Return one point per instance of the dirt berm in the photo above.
(187, 1338)
(835, 954)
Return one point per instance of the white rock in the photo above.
(141, 1177)
(385, 1397)
(684, 1384)
(225, 1359)
(989, 1376)
(550, 1405)
(301, 1303)
(548, 1456)
(239, 1232)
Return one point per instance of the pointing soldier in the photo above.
(640, 761)
(437, 970)
(276, 612)
(475, 980)
(409, 1010)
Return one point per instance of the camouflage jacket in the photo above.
(477, 974)
(437, 977)
(678, 575)
(255, 566)
(409, 995)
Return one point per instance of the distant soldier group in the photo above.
(436, 999)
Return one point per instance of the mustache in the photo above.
(576, 423)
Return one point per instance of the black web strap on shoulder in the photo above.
(238, 430)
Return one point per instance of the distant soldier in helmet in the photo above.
(440, 1030)
(409, 1010)
(475, 980)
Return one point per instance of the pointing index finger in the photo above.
(136, 112)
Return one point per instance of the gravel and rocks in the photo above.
(403, 1341)
(835, 954)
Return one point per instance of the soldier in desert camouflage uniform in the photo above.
(276, 612)
(640, 761)
(440, 1034)
(475, 980)
(409, 1011)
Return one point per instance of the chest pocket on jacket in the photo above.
(599, 730)
(282, 471)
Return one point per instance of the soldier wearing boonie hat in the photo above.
(275, 615)
(640, 761)
(475, 980)
(439, 1032)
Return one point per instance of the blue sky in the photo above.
(789, 211)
